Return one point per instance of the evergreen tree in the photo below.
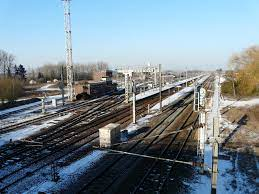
(22, 72)
(16, 72)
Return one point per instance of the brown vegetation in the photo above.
(10, 89)
(248, 130)
(243, 79)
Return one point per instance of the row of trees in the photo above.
(8, 67)
(53, 71)
(243, 79)
(7, 62)
(12, 77)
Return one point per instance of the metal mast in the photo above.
(69, 63)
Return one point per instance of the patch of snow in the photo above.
(174, 98)
(68, 174)
(224, 123)
(34, 105)
(131, 128)
(240, 103)
(222, 80)
(23, 133)
(18, 108)
(47, 88)
(230, 178)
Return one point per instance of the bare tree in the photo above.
(7, 62)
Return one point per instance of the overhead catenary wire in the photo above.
(150, 157)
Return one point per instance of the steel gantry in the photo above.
(128, 72)
(69, 62)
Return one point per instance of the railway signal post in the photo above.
(199, 106)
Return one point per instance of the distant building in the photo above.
(105, 75)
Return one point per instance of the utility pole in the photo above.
(186, 77)
(155, 79)
(43, 108)
(215, 148)
(160, 87)
(69, 63)
(127, 88)
(134, 101)
(62, 86)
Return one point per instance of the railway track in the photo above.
(112, 173)
(115, 167)
(66, 110)
(58, 143)
(44, 148)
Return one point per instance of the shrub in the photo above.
(10, 89)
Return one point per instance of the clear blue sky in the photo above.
(175, 33)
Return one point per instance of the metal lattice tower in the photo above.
(69, 63)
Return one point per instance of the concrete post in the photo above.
(201, 134)
(155, 79)
(43, 110)
(160, 87)
(186, 75)
(148, 109)
(126, 88)
(54, 102)
(134, 102)
(62, 86)
(215, 153)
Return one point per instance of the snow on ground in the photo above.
(34, 106)
(222, 79)
(28, 114)
(240, 103)
(68, 174)
(18, 108)
(131, 128)
(166, 87)
(174, 98)
(230, 179)
(29, 130)
(48, 87)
